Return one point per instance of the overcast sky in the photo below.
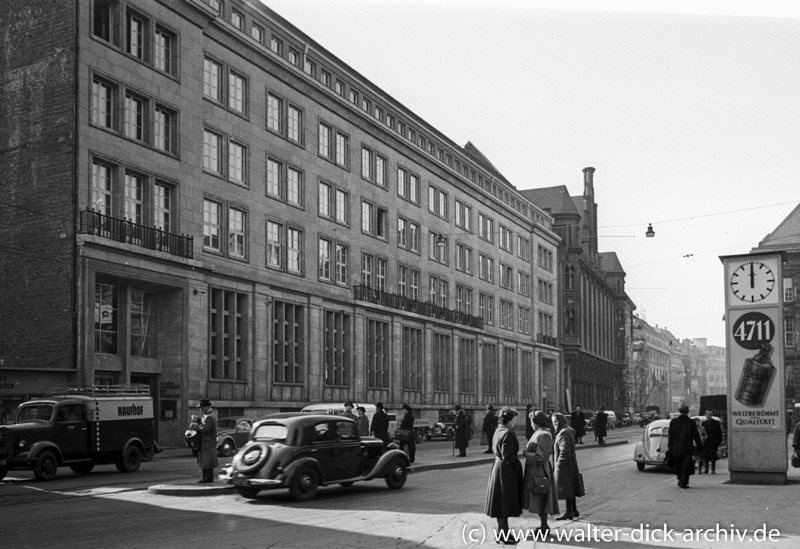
(688, 111)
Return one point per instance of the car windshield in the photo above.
(38, 412)
(271, 431)
(226, 424)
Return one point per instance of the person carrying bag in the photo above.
(540, 493)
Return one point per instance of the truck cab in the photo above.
(80, 427)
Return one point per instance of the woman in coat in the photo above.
(568, 480)
(504, 491)
(537, 460)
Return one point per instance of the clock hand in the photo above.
(752, 276)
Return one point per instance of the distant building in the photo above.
(595, 310)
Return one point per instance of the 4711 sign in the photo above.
(752, 330)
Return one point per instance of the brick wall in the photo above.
(36, 179)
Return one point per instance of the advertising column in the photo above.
(756, 432)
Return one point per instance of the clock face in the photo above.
(752, 281)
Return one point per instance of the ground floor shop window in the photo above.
(526, 362)
(468, 365)
(413, 364)
(338, 352)
(228, 336)
(378, 354)
(442, 363)
(143, 324)
(288, 342)
(106, 318)
(509, 373)
(490, 377)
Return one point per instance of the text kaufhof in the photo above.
(125, 408)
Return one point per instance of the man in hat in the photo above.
(489, 427)
(380, 424)
(682, 433)
(462, 431)
(207, 454)
(348, 411)
(408, 441)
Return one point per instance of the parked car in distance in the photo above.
(625, 420)
(302, 452)
(652, 449)
(445, 427)
(232, 434)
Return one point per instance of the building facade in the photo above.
(203, 199)
(595, 310)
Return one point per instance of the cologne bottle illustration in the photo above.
(757, 376)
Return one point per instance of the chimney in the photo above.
(588, 182)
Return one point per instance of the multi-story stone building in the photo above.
(201, 198)
(596, 311)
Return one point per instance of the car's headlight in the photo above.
(251, 456)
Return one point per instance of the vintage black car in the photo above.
(302, 452)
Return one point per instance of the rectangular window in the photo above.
(276, 45)
(309, 67)
(381, 266)
(212, 224)
(523, 248)
(463, 216)
(468, 365)
(257, 33)
(544, 258)
(524, 283)
(506, 239)
(342, 150)
(378, 354)
(294, 129)
(134, 117)
(294, 186)
(228, 335)
(442, 363)
(788, 330)
(463, 300)
(162, 207)
(324, 199)
(237, 162)
(337, 349)
(437, 202)
(342, 262)
(103, 103)
(274, 245)
(165, 129)
(463, 258)
(506, 277)
(325, 140)
(237, 238)
(294, 250)
(402, 233)
(788, 290)
(103, 15)
(545, 291)
(212, 79)
(294, 58)
(439, 246)
(133, 198)
(212, 153)
(165, 53)
(524, 320)
(413, 361)
(367, 266)
(275, 114)
(509, 373)
(143, 320)
(367, 163)
(274, 178)
(506, 318)
(402, 280)
(413, 284)
(342, 207)
(136, 35)
(325, 251)
(288, 342)
(237, 93)
(237, 19)
(491, 375)
(367, 217)
(486, 268)
(106, 319)
(526, 363)
(486, 227)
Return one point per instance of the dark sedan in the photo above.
(302, 452)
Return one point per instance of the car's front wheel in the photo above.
(304, 485)
(46, 466)
(130, 461)
(398, 473)
(640, 465)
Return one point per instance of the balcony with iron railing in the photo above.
(122, 230)
(395, 301)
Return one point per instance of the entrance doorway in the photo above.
(152, 382)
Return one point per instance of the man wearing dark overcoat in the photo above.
(683, 433)
(462, 431)
(713, 440)
(207, 454)
(578, 423)
(380, 424)
(601, 426)
(489, 427)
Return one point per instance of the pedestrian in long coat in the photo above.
(601, 425)
(537, 460)
(504, 493)
(578, 423)
(528, 425)
(713, 440)
(683, 434)
(380, 424)
(462, 431)
(489, 427)
(207, 454)
(567, 474)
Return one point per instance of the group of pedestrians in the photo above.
(550, 473)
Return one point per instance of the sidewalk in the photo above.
(428, 458)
